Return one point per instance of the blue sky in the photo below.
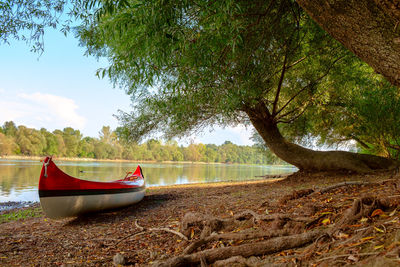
(59, 89)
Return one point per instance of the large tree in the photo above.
(190, 64)
(368, 28)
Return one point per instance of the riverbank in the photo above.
(297, 207)
(39, 158)
(10, 205)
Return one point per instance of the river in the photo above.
(19, 178)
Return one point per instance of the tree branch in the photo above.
(296, 62)
(363, 144)
(295, 117)
(278, 90)
(308, 85)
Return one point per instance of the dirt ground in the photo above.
(301, 220)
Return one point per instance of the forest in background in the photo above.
(21, 140)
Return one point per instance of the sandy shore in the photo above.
(136, 233)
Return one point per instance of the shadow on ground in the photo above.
(110, 216)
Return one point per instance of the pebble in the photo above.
(118, 259)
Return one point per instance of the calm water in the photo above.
(19, 178)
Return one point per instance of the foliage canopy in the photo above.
(190, 64)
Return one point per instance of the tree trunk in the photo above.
(308, 159)
(368, 28)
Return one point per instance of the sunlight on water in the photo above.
(19, 178)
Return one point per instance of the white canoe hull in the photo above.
(57, 207)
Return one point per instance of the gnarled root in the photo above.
(361, 207)
(235, 241)
(259, 248)
(233, 236)
(207, 223)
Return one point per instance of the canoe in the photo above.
(64, 196)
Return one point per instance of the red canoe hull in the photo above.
(63, 196)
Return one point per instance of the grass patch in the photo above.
(20, 215)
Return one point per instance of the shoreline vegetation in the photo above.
(321, 219)
(70, 144)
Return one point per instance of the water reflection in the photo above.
(19, 178)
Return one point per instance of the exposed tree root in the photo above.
(142, 230)
(310, 192)
(231, 241)
(335, 186)
(207, 223)
(169, 231)
(362, 207)
(232, 261)
(270, 217)
(277, 240)
(234, 236)
(259, 248)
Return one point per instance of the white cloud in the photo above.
(2, 90)
(239, 135)
(41, 110)
(243, 134)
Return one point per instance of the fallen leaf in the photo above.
(378, 247)
(363, 219)
(367, 238)
(379, 230)
(377, 212)
(393, 213)
(355, 244)
(326, 221)
(192, 234)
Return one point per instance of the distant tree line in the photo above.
(21, 140)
